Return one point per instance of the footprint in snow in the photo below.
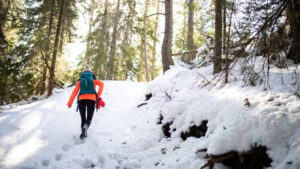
(91, 164)
(66, 147)
(27, 167)
(85, 163)
(88, 164)
(58, 157)
(45, 163)
(77, 140)
(101, 159)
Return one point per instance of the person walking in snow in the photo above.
(87, 98)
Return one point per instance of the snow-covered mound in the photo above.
(28, 101)
(127, 133)
(239, 116)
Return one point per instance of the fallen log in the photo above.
(256, 158)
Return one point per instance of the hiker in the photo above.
(87, 98)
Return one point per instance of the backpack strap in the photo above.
(77, 99)
(97, 102)
(77, 103)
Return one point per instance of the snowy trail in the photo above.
(45, 134)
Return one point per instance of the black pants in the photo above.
(86, 108)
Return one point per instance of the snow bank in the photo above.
(31, 99)
(271, 120)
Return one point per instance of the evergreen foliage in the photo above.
(28, 28)
(24, 52)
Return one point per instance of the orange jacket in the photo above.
(86, 96)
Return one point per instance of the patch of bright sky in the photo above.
(78, 47)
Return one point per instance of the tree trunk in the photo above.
(153, 60)
(125, 44)
(294, 20)
(87, 51)
(106, 27)
(145, 41)
(140, 73)
(4, 12)
(218, 37)
(53, 62)
(227, 47)
(124, 49)
(104, 43)
(44, 78)
(166, 50)
(113, 43)
(190, 31)
(62, 33)
(127, 39)
(224, 26)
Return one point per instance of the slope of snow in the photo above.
(272, 119)
(44, 134)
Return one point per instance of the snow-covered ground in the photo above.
(44, 134)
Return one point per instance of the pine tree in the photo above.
(112, 53)
(53, 62)
(153, 59)
(127, 49)
(224, 26)
(294, 22)
(145, 41)
(166, 50)
(218, 37)
(190, 30)
(91, 22)
(46, 66)
(101, 40)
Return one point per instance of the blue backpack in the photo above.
(86, 85)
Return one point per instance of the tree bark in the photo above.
(190, 31)
(62, 36)
(166, 51)
(227, 47)
(113, 43)
(4, 12)
(218, 37)
(87, 51)
(224, 26)
(294, 20)
(53, 62)
(44, 78)
(106, 27)
(145, 41)
(140, 72)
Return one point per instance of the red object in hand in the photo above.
(100, 103)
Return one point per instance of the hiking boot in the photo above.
(84, 131)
